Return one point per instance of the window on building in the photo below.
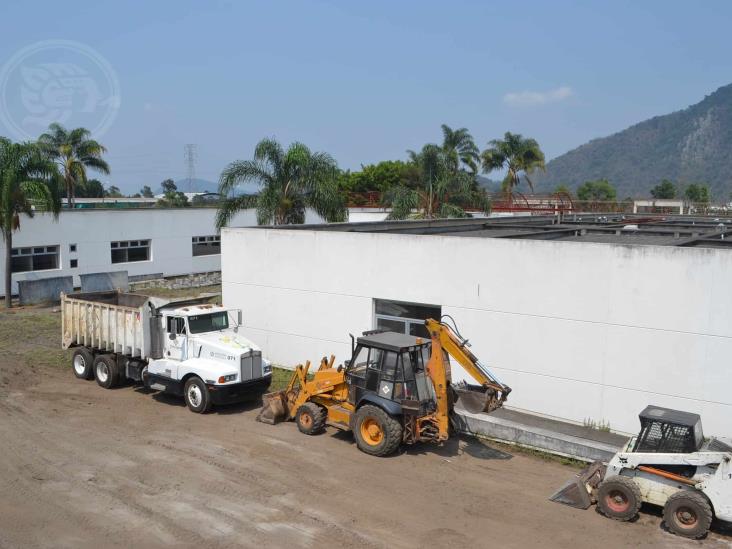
(36, 258)
(407, 318)
(206, 245)
(72, 248)
(127, 251)
(74, 263)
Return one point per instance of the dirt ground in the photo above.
(88, 467)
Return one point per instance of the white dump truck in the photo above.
(185, 347)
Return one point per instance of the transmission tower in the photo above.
(190, 154)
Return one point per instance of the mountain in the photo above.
(686, 146)
(196, 185)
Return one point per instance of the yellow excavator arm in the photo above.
(488, 395)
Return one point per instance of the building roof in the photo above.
(638, 229)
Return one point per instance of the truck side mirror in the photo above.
(238, 317)
(171, 336)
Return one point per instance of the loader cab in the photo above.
(390, 367)
(668, 431)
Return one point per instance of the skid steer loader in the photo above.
(668, 464)
(395, 389)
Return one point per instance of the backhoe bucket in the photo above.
(578, 491)
(274, 407)
(476, 399)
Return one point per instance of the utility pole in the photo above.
(190, 155)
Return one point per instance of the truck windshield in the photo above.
(208, 323)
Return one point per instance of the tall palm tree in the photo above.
(74, 151)
(516, 154)
(27, 179)
(442, 191)
(460, 148)
(291, 180)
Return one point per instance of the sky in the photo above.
(363, 81)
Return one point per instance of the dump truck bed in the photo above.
(108, 321)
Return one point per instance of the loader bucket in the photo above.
(578, 491)
(274, 408)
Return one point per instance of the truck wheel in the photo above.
(82, 362)
(619, 498)
(687, 514)
(196, 394)
(105, 371)
(376, 432)
(310, 418)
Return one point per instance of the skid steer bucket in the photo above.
(274, 407)
(578, 491)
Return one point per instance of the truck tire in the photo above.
(82, 363)
(377, 433)
(310, 418)
(105, 371)
(196, 395)
(619, 498)
(687, 513)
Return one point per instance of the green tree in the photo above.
(74, 152)
(697, 193)
(562, 189)
(147, 192)
(460, 149)
(517, 155)
(93, 188)
(665, 189)
(169, 186)
(113, 192)
(27, 178)
(441, 191)
(596, 191)
(291, 180)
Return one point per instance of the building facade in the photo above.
(582, 331)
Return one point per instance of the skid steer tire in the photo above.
(377, 433)
(310, 418)
(106, 371)
(688, 514)
(619, 498)
(82, 363)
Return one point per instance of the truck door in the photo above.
(176, 338)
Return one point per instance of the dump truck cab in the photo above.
(388, 369)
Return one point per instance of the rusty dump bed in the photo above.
(108, 321)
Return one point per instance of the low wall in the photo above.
(44, 290)
(103, 282)
(179, 282)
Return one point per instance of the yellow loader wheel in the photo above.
(310, 418)
(377, 433)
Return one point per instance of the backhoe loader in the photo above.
(395, 389)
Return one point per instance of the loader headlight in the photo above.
(226, 379)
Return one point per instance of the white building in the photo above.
(584, 319)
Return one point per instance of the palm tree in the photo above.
(515, 154)
(460, 148)
(27, 178)
(74, 152)
(291, 180)
(442, 191)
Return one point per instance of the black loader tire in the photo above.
(82, 363)
(687, 513)
(376, 432)
(619, 498)
(105, 371)
(310, 418)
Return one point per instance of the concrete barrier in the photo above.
(103, 282)
(44, 290)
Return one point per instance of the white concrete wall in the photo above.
(579, 330)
